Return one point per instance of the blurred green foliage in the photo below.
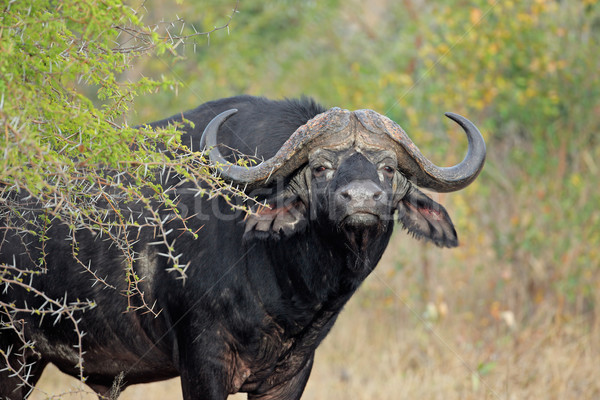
(54, 136)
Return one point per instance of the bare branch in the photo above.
(144, 40)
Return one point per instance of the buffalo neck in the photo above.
(312, 272)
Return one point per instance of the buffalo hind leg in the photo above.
(19, 387)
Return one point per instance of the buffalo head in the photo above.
(348, 173)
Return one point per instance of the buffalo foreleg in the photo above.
(291, 389)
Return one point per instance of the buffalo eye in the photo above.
(319, 170)
(389, 170)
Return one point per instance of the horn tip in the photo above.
(229, 112)
(454, 116)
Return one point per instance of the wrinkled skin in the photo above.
(262, 290)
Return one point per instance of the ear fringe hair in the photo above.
(417, 234)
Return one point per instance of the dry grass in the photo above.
(415, 332)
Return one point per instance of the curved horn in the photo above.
(421, 170)
(461, 175)
(209, 140)
(292, 154)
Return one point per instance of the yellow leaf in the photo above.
(475, 16)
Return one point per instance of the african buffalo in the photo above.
(263, 288)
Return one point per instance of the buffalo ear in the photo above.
(424, 218)
(276, 221)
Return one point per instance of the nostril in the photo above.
(361, 195)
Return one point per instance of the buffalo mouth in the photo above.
(361, 219)
(361, 228)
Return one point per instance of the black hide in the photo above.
(261, 293)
